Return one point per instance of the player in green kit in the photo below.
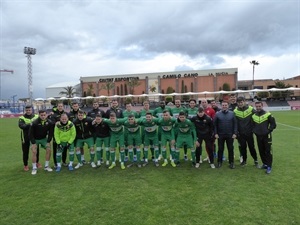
(192, 110)
(132, 128)
(116, 136)
(150, 137)
(167, 135)
(186, 134)
(126, 113)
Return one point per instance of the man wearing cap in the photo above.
(204, 129)
(243, 114)
(24, 124)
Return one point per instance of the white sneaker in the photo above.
(212, 166)
(93, 165)
(99, 163)
(159, 157)
(78, 165)
(107, 163)
(48, 169)
(34, 171)
(197, 165)
(200, 159)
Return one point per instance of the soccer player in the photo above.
(64, 134)
(186, 134)
(192, 110)
(116, 136)
(101, 131)
(41, 133)
(95, 111)
(84, 134)
(55, 117)
(167, 136)
(225, 130)
(150, 137)
(243, 114)
(132, 128)
(24, 124)
(204, 129)
(264, 124)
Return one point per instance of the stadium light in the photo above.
(29, 51)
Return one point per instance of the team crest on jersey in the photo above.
(86, 123)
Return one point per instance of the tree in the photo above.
(108, 86)
(281, 94)
(90, 90)
(69, 92)
(254, 63)
(132, 84)
(170, 90)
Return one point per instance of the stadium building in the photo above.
(162, 82)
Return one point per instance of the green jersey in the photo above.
(132, 128)
(117, 127)
(151, 126)
(132, 112)
(158, 112)
(186, 127)
(176, 111)
(192, 112)
(167, 126)
(143, 113)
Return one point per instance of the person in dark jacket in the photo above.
(225, 129)
(95, 111)
(263, 125)
(204, 129)
(84, 134)
(41, 133)
(243, 114)
(102, 134)
(24, 124)
(115, 109)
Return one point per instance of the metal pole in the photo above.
(30, 89)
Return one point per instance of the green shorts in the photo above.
(165, 138)
(102, 141)
(185, 140)
(88, 141)
(42, 142)
(134, 139)
(116, 138)
(150, 139)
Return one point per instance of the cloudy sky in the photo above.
(91, 37)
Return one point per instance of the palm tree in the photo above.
(90, 90)
(69, 91)
(132, 84)
(108, 86)
(254, 63)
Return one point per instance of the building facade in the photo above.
(162, 82)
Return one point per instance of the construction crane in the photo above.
(4, 71)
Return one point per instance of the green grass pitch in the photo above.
(151, 195)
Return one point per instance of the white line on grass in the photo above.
(297, 128)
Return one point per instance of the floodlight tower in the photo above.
(29, 51)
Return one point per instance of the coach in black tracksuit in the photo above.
(204, 128)
(243, 114)
(263, 125)
(225, 129)
(115, 109)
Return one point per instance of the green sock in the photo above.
(107, 154)
(58, 157)
(122, 152)
(71, 155)
(126, 151)
(113, 156)
(92, 155)
(173, 154)
(98, 153)
(193, 155)
(130, 155)
(177, 155)
(156, 152)
(146, 153)
(164, 153)
(138, 155)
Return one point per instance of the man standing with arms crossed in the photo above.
(41, 133)
(24, 124)
(243, 114)
(264, 123)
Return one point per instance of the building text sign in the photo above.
(116, 79)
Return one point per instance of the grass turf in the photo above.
(151, 195)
